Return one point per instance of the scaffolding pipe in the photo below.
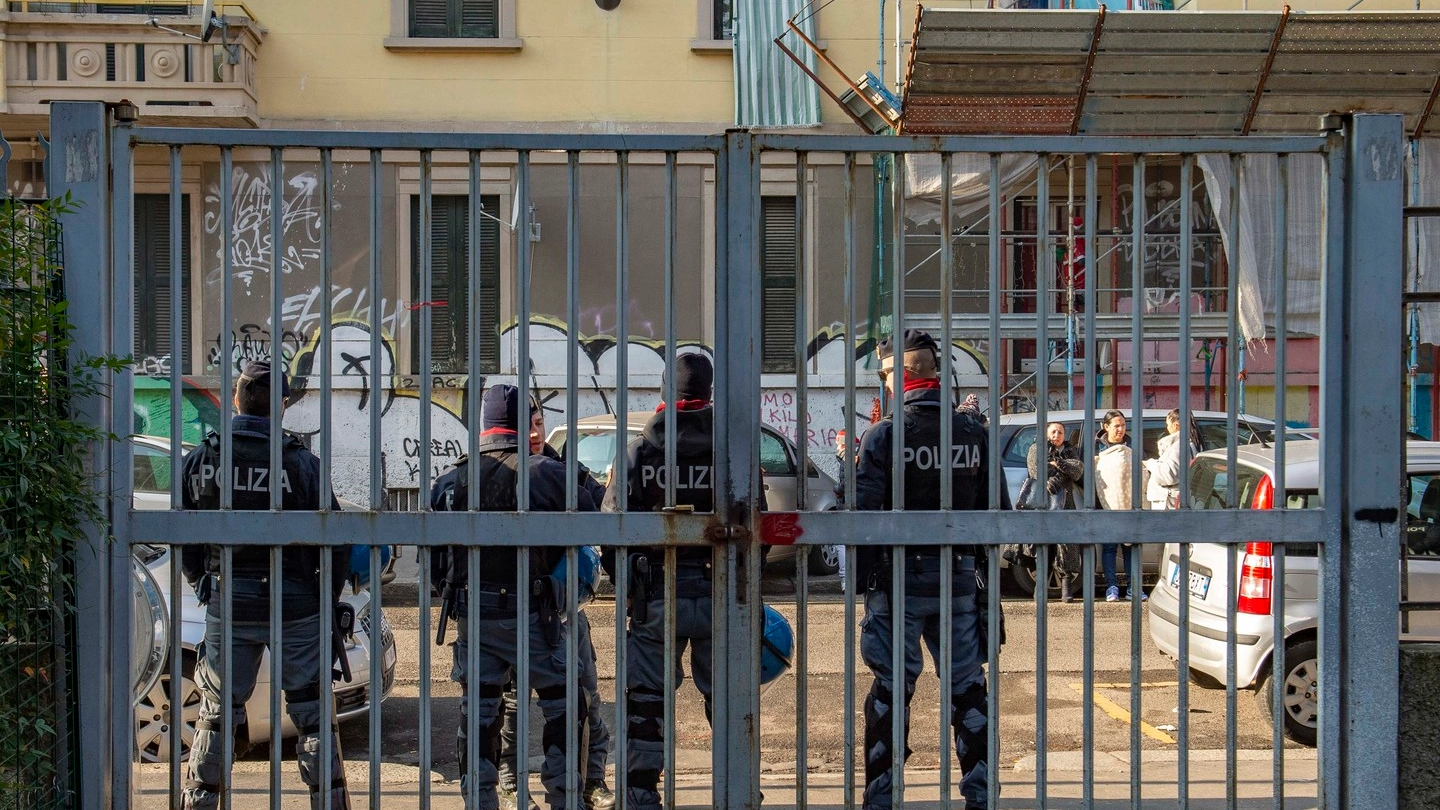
(1413, 367)
(1069, 266)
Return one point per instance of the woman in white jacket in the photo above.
(1165, 467)
(1112, 488)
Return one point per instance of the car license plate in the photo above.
(1199, 583)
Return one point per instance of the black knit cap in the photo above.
(694, 377)
(255, 375)
(910, 340)
(500, 407)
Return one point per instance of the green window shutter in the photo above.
(152, 277)
(777, 276)
(454, 18)
(449, 285)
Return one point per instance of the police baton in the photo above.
(343, 628)
(447, 603)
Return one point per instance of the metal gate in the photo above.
(703, 225)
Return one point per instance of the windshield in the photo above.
(595, 449)
(1210, 484)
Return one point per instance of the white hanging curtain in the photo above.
(1256, 258)
(969, 183)
(771, 90)
(1420, 271)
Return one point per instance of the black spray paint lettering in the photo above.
(688, 477)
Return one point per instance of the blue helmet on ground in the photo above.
(587, 575)
(777, 646)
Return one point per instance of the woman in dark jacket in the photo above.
(1064, 475)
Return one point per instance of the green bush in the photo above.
(47, 499)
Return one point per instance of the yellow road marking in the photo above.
(1113, 709)
(1126, 685)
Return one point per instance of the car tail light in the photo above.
(1256, 578)
(1264, 494)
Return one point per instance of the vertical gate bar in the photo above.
(620, 467)
(1233, 348)
(574, 757)
(572, 338)
(1279, 669)
(947, 501)
(227, 326)
(947, 574)
(423, 637)
(327, 197)
(802, 442)
(897, 344)
(1187, 166)
(523, 373)
(997, 481)
(847, 469)
(669, 664)
(179, 343)
(227, 668)
(735, 783)
(1044, 260)
(1087, 451)
(277, 326)
(622, 326)
(472, 666)
(668, 394)
(1332, 320)
(377, 682)
(522, 676)
(474, 374)
(277, 641)
(1137, 422)
(377, 325)
(426, 303)
(895, 603)
(327, 686)
(1363, 473)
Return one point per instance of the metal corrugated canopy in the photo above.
(1166, 72)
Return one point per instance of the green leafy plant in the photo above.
(48, 498)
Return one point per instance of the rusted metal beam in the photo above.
(1429, 108)
(1265, 71)
(1089, 69)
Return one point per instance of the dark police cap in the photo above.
(256, 374)
(910, 340)
(500, 407)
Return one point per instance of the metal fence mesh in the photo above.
(37, 453)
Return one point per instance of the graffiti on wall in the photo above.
(1163, 224)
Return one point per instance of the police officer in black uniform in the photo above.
(923, 463)
(498, 595)
(693, 474)
(248, 584)
(597, 794)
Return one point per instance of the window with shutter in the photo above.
(152, 278)
(777, 293)
(449, 302)
(478, 19)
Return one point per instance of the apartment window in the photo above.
(714, 26)
(722, 23)
(449, 304)
(153, 273)
(777, 278)
(449, 25)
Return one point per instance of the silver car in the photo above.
(1212, 607)
(779, 463)
(152, 707)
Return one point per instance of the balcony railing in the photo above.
(60, 51)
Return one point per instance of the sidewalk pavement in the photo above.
(1254, 772)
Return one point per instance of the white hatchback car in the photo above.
(779, 463)
(152, 708)
(1212, 607)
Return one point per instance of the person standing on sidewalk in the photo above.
(1063, 475)
(919, 415)
(1112, 489)
(645, 487)
(498, 595)
(303, 653)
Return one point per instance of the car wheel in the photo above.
(825, 560)
(152, 715)
(1023, 575)
(1301, 687)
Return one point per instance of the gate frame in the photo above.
(1361, 471)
